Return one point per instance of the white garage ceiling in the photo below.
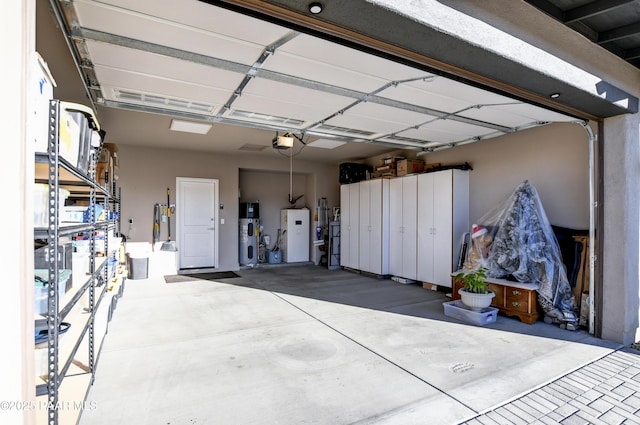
(203, 63)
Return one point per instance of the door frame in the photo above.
(216, 214)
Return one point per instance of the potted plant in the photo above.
(475, 294)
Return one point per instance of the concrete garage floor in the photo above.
(307, 345)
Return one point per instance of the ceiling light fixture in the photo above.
(315, 7)
(554, 95)
(190, 127)
(326, 143)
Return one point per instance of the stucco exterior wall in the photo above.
(621, 283)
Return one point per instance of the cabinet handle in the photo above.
(515, 304)
(516, 292)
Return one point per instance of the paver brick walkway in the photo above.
(605, 392)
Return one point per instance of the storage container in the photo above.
(41, 203)
(352, 172)
(76, 134)
(41, 288)
(458, 310)
(274, 257)
(73, 214)
(65, 256)
(41, 84)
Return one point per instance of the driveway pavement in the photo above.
(307, 345)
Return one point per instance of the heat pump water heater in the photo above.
(249, 233)
(294, 235)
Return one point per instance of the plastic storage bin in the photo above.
(41, 288)
(274, 257)
(458, 310)
(77, 134)
(41, 204)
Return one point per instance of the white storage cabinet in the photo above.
(443, 218)
(374, 226)
(403, 218)
(349, 218)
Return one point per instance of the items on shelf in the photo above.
(352, 172)
(75, 255)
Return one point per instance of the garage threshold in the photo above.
(311, 345)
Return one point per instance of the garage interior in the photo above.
(243, 79)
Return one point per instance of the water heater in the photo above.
(249, 233)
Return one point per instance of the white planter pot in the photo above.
(476, 301)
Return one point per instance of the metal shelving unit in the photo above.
(334, 245)
(63, 368)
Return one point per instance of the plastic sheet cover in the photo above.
(516, 241)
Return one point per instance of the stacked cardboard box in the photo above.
(410, 166)
(388, 167)
(108, 165)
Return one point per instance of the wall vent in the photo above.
(252, 148)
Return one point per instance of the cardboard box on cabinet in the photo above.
(410, 166)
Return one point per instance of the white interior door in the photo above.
(197, 226)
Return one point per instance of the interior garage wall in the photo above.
(146, 174)
(554, 158)
(271, 190)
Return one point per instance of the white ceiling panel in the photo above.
(327, 73)
(534, 113)
(512, 115)
(200, 15)
(365, 124)
(461, 92)
(376, 118)
(499, 115)
(387, 113)
(279, 109)
(321, 51)
(289, 101)
(446, 131)
(418, 93)
(122, 79)
(112, 56)
(93, 15)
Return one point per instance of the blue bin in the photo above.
(275, 257)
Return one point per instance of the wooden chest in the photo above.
(512, 298)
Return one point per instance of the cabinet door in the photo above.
(443, 227)
(395, 226)
(379, 222)
(410, 226)
(354, 226)
(364, 227)
(425, 227)
(344, 225)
